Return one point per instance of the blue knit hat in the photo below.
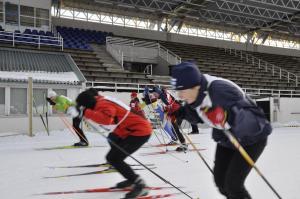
(185, 75)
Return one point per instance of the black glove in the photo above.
(50, 101)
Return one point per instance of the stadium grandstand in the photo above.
(119, 45)
(123, 49)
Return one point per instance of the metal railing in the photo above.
(271, 92)
(37, 40)
(162, 51)
(117, 86)
(148, 69)
(118, 55)
(264, 65)
(255, 92)
(168, 55)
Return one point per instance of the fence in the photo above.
(37, 40)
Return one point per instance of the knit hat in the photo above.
(52, 94)
(133, 94)
(86, 99)
(185, 75)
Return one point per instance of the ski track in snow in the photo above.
(23, 167)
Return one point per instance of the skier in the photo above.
(222, 104)
(135, 105)
(171, 108)
(127, 130)
(64, 104)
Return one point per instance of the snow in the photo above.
(39, 75)
(23, 167)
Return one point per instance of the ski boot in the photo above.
(123, 184)
(182, 148)
(138, 189)
(193, 133)
(81, 144)
(172, 143)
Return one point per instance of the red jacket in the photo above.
(117, 117)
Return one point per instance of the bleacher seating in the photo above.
(290, 63)
(30, 37)
(80, 38)
(215, 61)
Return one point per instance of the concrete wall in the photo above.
(155, 35)
(162, 68)
(46, 4)
(137, 54)
(289, 110)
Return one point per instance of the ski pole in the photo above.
(198, 152)
(95, 128)
(47, 109)
(35, 106)
(248, 159)
(70, 127)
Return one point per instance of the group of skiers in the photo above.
(217, 102)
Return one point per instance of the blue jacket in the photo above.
(247, 121)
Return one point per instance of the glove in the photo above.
(50, 101)
(217, 116)
(72, 111)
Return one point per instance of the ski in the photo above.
(158, 196)
(169, 151)
(108, 170)
(96, 165)
(101, 190)
(163, 145)
(68, 147)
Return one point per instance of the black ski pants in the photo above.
(78, 130)
(116, 157)
(231, 169)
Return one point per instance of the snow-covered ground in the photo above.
(23, 167)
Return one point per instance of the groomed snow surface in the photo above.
(23, 167)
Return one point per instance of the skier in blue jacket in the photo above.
(222, 105)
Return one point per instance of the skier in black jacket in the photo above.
(222, 105)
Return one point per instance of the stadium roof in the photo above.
(276, 17)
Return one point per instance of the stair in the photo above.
(106, 59)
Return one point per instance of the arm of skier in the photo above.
(103, 116)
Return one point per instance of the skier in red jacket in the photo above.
(135, 105)
(127, 130)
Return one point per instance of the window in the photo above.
(1, 11)
(27, 21)
(2, 101)
(18, 101)
(1, 6)
(27, 11)
(39, 101)
(42, 22)
(27, 16)
(42, 13)
(11, 13)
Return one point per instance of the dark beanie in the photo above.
(185, 75)
(86, 99)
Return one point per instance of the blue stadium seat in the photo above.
(27, 31)
(34, 32)
(80, 38)
(41, 32)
